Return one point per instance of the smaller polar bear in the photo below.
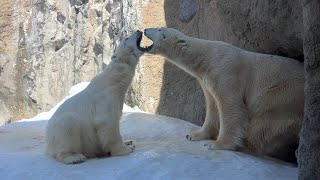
(253, 100)
(87, 124)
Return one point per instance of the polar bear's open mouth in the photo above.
(146, 48)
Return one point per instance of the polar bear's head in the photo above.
(129, 48)
(166, 41)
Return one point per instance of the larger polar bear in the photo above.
(253, 100)
(87, 124)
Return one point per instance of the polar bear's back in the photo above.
(266, 71)
(80, 104)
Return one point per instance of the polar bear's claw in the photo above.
(128, 142)
(125, 150)
(217, 145)
(187, 136)
(198, 135)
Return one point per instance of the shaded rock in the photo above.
(272, 27)
(60, 17)
(188, 8)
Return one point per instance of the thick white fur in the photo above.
(253, 100)
(87, 125)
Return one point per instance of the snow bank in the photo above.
(162, 152)
(73, 91)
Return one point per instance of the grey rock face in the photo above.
(308, 152)
(188, 8)
(263, 26)
(53, 45)
(46, 46)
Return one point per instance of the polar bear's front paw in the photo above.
(71, 158)
(217, 145)
(128, 142)
(198, 135)
(123, 150)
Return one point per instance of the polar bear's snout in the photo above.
(144, 48)
(163, 39)
(151, 33)
(134, 39)
(139, 38)
(131, 44)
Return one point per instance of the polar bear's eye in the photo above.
(181, 41)
(159, 29)
(127, 38)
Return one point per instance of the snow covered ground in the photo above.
(162, 152)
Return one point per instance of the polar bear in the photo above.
(253, 101)
(87, 124)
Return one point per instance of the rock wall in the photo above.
(14, 22)
(46, 46)
(264, 26)
(146, 88)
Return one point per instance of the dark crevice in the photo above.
(97, 49)
(1, 70)
(78, 2)
(59, 44)
(60, 18)
(108, 7)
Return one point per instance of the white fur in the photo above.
(87, 125)
(253, 100)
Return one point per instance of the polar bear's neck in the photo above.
(197, 57)
(116, 75)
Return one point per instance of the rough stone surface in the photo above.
(46, 46)
(187, 10)
(148, 81)
(14, 24)
(264, 26)
(308, 152)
